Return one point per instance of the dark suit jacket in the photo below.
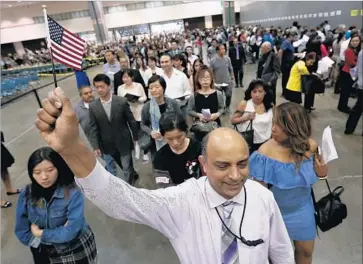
(271, 69)
(137, 78)
(114, 134)
(232, 53)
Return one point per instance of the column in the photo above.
(95, 9)
(19, 48)
(229, 16)
(208, 22)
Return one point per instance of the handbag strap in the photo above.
(315, 211)
(249, 126)
(327, 185)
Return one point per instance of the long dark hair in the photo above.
(194, 72)
(65, 176)
(143, 66)
(267, 99)
(358, 48)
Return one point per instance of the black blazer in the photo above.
(114, 134)
(232, 53)
(137, 78)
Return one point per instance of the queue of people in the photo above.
(207, 170)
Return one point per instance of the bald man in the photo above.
(221, 218)
(269, 68)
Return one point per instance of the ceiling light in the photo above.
(9, 5)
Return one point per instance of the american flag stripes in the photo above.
(67, 48)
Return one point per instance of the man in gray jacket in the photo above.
(82, 111)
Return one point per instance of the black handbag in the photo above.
(145, 140)
(247, 134)
(330, 211)
(312, 82)
(203, 127)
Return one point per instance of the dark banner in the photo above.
(281, 13)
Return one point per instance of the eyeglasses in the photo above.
(205, 78)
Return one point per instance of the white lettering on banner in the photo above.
(332, 13)
(310, 15)
(305, 15)
(326, 14)
(315, 15)
(320, 14)
(339, 12)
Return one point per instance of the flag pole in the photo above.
(49, 44)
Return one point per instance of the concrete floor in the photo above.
(127, 243)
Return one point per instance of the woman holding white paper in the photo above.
(289, 164)
(207, 103)
(135, 94)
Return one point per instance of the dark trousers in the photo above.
(309, 99)
(355, 113)
(40, 255)
(139, 128)
(337, 86)
(272, 90)
(238, 75)
(125, 162)
(285, 71)
(347, 87)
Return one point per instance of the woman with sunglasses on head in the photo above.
(207, 103)
(50, 213)
(255, 112)
(289, 165)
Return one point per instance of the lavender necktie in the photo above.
(229, 241)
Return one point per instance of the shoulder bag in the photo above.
(247, 134)
(330, 211)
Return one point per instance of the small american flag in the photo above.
(67, 48)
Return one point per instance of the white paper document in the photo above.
(328, 149)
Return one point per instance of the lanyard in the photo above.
(250, 243)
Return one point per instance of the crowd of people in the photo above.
(164, 103)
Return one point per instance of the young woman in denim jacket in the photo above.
(50, 213)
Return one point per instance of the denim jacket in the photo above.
(51, 217)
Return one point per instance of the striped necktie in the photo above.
(229, 241)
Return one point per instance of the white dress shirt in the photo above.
(177, 85)
(343, 47)
(149, 73)
(185, 214)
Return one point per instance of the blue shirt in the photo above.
(267, 37)
(51, 217)
(288, 51)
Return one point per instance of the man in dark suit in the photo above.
(269, 68)
(238, 58)
(124, 65)
(110, 123)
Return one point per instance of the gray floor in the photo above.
(121, 242)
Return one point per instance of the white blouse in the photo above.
(137, 90)
(262, 124)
